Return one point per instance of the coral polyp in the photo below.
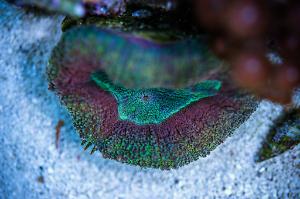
(151, 126)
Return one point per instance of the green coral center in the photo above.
(154, 105)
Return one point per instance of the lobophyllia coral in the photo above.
(79, 72)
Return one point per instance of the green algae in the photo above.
(153, 106)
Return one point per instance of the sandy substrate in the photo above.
(32, 167)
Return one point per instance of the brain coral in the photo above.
(211, 107)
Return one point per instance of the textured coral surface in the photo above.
(284, 136)
(192, 132)
(136, 62)
(154, 105)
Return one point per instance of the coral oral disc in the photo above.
(153, 106)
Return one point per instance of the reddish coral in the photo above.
(192, 132)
